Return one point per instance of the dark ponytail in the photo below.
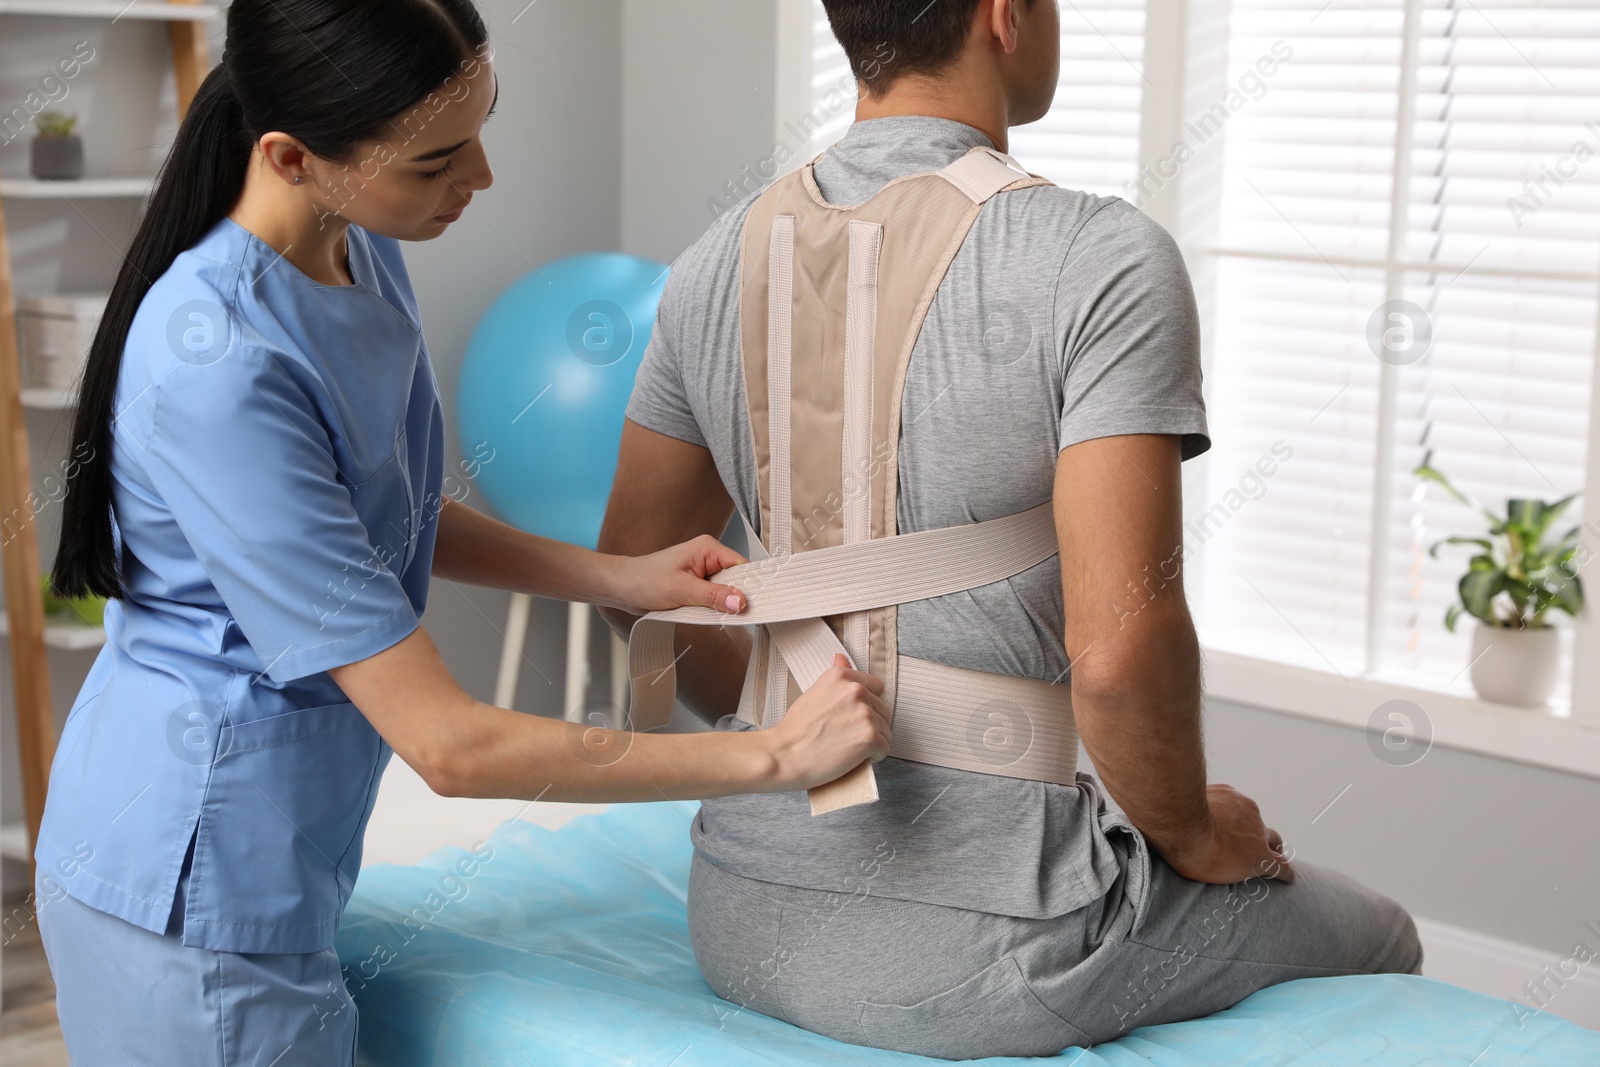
(199, 184)
(331, 73)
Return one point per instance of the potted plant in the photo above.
(1520, 574)
(57, 151)
(89, 610)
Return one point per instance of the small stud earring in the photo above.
(298, 179)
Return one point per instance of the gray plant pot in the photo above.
(58, 158)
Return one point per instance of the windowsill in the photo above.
(1537, 736)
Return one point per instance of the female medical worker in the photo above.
(258, 447)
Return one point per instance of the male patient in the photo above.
(966, 913)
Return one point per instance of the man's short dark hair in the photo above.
(885, 39)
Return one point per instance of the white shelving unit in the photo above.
(149, 10)
(33, 189)
(66, 636)
(14, 842)
(47, 399)
(23, 625)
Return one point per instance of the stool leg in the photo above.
(577, 660)
(516, 635)
(619, 680)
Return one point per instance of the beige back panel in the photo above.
(918, 224)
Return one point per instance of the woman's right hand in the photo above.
(833, 726)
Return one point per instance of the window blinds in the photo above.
(1304, 214)
(1090, 139)
(1502, 243)
(833, 89)
(1322, 222)
(1448, 157)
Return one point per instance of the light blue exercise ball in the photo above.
(544, 385)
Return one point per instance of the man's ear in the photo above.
(1003, 22)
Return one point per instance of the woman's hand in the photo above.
(677, 577)
(835, 725)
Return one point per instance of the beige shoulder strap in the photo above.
(983, 172)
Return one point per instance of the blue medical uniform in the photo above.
(277, 459)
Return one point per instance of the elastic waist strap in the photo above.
(804, 586)
(976, 721)
(944, 715)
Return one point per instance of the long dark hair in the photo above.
(331, 73)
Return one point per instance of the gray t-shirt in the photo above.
(1064, 317)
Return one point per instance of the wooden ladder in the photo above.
(36, 734)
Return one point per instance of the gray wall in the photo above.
(697, 84)
(1495, 846)
(555, 145)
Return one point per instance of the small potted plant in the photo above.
(57, 151)
(89, 610)
(1519, 575)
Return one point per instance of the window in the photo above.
(1090, 139)
(1391, 211)
(1375, 188)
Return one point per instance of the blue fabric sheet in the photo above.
(571, 947)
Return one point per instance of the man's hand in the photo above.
(1136, 661)
(1238, 845)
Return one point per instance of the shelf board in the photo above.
(14, 842)
(114, 10)
(47, 399)
(69, 636)
(34, 189)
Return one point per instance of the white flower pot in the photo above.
(1515, 666)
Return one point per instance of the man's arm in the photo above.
(1136, 660)
(667, 491)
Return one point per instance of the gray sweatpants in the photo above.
(958, 984)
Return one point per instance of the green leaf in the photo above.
(1482, 542)
(1430, 474)
(1535, 517)
(1478, 589)
(1553, 511)
(1563, 592)
(1451, 616)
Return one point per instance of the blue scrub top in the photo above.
(277, 459)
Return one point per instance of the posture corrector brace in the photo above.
(831, 302)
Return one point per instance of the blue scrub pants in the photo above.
(127, 996)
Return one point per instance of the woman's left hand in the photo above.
(677, 577)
